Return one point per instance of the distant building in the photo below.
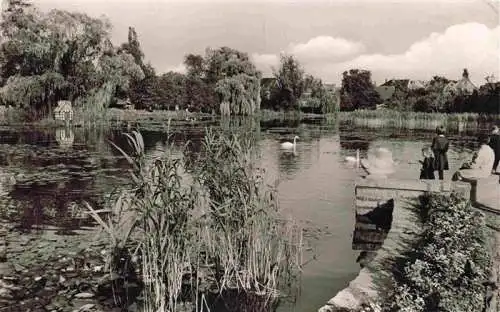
(400, 86)
(268, 82)
(63, 111)
(385, 92)
(465, 85)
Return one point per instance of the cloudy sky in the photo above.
(406, 38)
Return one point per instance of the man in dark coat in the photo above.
(495, 145)
(440, 145)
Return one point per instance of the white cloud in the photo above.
(319, 49)
(181, 68)
(325, 48)
(265, 62)
(472, 45)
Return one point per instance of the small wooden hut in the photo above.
(63, 111)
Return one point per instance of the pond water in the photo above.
(44, 171)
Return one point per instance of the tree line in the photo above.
(61, 55)
(359, 92)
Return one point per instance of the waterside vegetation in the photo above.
(202, 229)
(446, 267)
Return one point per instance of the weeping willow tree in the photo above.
(240, 95)
(235, 79)
(33, 91)
(114, 72)
(46, 57)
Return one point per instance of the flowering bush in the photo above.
(445, 269)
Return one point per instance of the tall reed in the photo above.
(213, 228)
(252, 246)
(416, 120)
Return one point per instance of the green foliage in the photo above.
(251, 245)
(226, 62)
(242, 92)
(291, 83)
(358, 91)
(237, 81)
(200, 96)
(171, 91)
(440, 95)
(324, 101)
(57, 55)
(215, 228)
(445, 269)
(195, 65)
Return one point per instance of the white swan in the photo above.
(353, 160)
(288, 145)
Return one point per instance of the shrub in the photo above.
(445, 269)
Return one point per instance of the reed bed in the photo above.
(417, 120)
(217, 231)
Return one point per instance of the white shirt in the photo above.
(484, 160)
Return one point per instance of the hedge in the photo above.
(445, 269)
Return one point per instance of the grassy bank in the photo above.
(415, 120)
(203, 228)
(90, 118)
(266, 114)
(445, 268)
(360, 118)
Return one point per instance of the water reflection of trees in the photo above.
(56, 180)
(279, 123)
(352, 140)
(26, 136)
(49, 178)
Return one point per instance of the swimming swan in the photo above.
(288, 145)
(353, 160)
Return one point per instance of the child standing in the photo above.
(427, 170)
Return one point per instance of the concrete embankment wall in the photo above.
(368, 196)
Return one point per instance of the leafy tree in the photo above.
(195, 65)
(200, 96)
(318, 100)
(290, 81)
(358, 90)
(58, 55)
(227, 62)
(133, 47)
(143, 91)
(172, 90)
(241, 92)
(234, 78)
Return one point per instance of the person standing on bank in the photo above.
(440, 145)
(495, 146)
